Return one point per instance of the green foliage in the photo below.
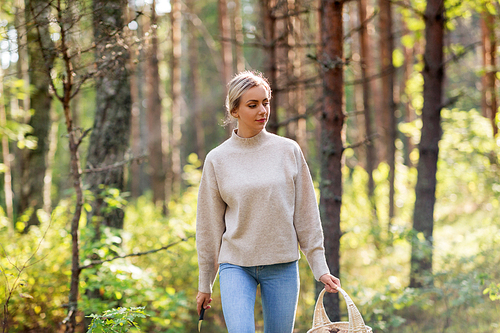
(116, 320)
(493, 291)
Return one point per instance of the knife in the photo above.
(202, 313)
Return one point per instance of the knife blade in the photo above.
(202, 313)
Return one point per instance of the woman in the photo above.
(256, 206)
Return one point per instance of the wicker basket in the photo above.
(322, 324)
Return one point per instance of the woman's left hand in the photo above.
(330, 282)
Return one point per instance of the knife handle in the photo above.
(202, 313)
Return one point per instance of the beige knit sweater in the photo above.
(256, 205)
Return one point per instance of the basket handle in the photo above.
(321, 318)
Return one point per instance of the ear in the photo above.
(234, 113)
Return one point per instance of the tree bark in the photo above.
(269, 23)
(111, 131)
(226, 48)
(297, 57)
(332, 145)
(409, 114)
(176, 96)
(33, 165)
(238, 34)
(365, 55)
(389, 118)
(194, 82)
(425, 190)
(6, 161)
(135, 123)
(490, 104)
(154, 116)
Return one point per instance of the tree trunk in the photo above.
(269, 23)
(238, 34)
(332, 145)
(425, 190)
(388, 116)
(7, 176)
(367, 110)
(194, 83)
(409, 114)
(33, 161)
(490, 104)
(176, 96)
(135, 123)
(111, 131)
(298, 73)
(47, 188)
(154, 116)
(226, 48)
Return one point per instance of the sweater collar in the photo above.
(254, 141)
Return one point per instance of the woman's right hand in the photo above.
(203, 300)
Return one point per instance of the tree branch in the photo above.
(361, 26)
(368, 139)
(115, 165)
(462, 53)
(135, 254)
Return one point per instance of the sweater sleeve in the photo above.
(307, 219)
(210, 226)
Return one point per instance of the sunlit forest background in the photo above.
(108, 108)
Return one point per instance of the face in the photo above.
(253, 112)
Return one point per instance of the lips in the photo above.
(263, 120)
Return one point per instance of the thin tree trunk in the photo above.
(332, 145)
(76, 173)
(238, 34)
(490, 104)
(47, 188)
(387, 68)
(300, 93)
(7, 175)
(367, 110)
(194, 83)
(135, 124)
(111, 131)
(176, 96)
(269, 23)
(33, 161)
(409, 112)
(425, 190)
(154, 116)
(226, 48)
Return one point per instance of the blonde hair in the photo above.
(240, 84)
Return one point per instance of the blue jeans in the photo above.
(279, 285)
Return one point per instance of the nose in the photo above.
(262, 109)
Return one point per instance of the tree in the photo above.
(6, 158)
(388, 106)
(33, 163)
(226, 47)
(110, 135)
(238, 37)
(366, 67)
(332, 146)
(193, 94)
(269, 34)
(176, 18)
(490, 104)
(154, 117)
(425, 190)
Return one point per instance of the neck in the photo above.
(246, 134)
(253, 141)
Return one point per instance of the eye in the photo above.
(251, 105)
(265, 103)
